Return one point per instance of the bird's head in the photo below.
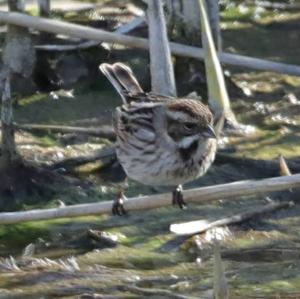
(188, 121)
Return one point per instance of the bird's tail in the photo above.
(122, 78)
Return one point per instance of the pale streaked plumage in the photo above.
(160, 140)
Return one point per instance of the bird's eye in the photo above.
(189, 126)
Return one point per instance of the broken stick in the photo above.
(200, 226)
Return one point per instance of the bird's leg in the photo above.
(118, 204)
(177, 197)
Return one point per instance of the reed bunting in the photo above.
(161, 141)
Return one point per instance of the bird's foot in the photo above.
(118, 205)
(177, 198)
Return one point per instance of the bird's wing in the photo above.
(137, 121)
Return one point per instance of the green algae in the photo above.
(88, 105)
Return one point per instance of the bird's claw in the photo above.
(177, 198)
(118, 205)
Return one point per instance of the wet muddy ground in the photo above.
(139, 257)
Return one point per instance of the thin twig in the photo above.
(264, 168)
(108, 155)
(229, 191)
(274, 5)
(60, 27)
(103, 131)
(155, 292)
(124, 29)
(81, 46)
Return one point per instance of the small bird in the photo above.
(161, 140)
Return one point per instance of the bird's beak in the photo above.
(209, 132)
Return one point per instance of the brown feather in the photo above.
(126, 77)
(193, 108)
(123, 80)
